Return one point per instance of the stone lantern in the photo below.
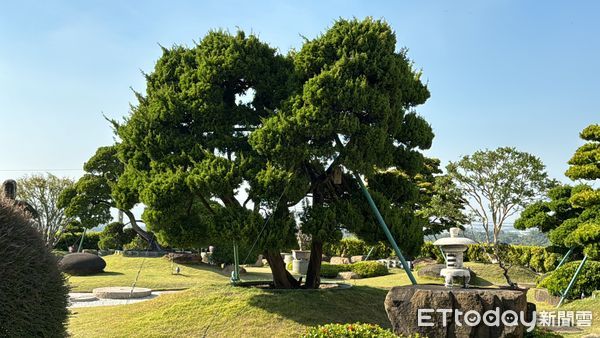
(453, 248)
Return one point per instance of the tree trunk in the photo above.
(313, 276)
(154, 246)
(282, 279)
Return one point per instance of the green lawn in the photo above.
(211, 305)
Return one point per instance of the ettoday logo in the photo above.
(474, 318)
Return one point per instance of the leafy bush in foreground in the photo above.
(369, 269)
(33, 294)
(355, 330)
(587, 282)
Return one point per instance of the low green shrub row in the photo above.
(355, 330)
(356, 247)
(363, 269)
(587, 282)
(90, 241)
(537, 258)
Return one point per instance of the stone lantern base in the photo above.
(406, 305)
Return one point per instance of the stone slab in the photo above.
(121, 292)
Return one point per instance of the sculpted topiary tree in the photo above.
(91, 198)
(571, 215)
(351, 113)
(186, 152)
(585, 165)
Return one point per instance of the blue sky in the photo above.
(501, 73)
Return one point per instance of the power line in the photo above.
(38, 170)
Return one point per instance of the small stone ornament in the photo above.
(454, 248)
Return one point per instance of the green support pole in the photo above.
(369, 254)
(564, 259)
(81, 241)
(387, 232)
(235, 274)
(566, 293)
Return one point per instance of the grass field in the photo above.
(212, 308)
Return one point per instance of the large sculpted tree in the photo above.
(351, 114)
(186, 151)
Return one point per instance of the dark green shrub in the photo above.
(90, 241)
(33, 294)
(356, 247)
(369, 269)
(587, 282)
(331, 270)
(428, 250)
(355, 330)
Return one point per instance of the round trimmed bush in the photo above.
(82, 264)
(587, 282)
(356, 330)
(33, 292)
(369, 269)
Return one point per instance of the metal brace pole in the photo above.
(81, 241)
(564, 259)
(572, 282)
(385, 228)
(235, 274)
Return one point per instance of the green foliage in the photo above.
(538, 259)
(355, 247)
(113, 236)
(429, 250)
(354, 330)
(587, 282)
(352, 111)
(136, 244)
(499, 183)
(369, 269)
(33, 293)
(332, 270)
(90, 241)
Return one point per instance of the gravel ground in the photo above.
(79, 299)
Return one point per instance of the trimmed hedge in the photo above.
(369, 269)
(114, 236)
(537, 258)
(587, 282)
(363, 269)
(33, 292)
(90, 241)
(355, 330)
(331, 270)
(356, 247)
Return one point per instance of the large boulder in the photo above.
(358, 258)
(184, 258)
(82, 264)
(403, 303)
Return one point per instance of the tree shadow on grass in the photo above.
(356, 304)
(108, 273)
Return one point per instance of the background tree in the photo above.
(351, 113)
(498, 184)
(42, 193)
(91, 198)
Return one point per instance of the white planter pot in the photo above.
(301, 254)
(300, 266)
